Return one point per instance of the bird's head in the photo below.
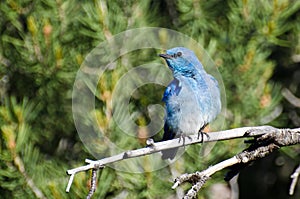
(182, 61)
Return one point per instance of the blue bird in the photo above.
(192, 98)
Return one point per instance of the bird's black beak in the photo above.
(165, 56)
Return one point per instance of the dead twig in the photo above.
(294, 176)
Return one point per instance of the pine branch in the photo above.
(20, 165)
(267, 139)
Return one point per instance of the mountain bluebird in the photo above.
(192, 98)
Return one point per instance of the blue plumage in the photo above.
(192, 99)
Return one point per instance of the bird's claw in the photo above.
(202, 135)
(183, 136)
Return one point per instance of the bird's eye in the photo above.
(179, 54)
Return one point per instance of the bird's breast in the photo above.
(184, 113)
(193, 107)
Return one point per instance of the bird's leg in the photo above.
(183, 136)
(201, 132)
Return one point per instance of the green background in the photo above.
(255, 45)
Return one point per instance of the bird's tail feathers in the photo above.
(169, 154)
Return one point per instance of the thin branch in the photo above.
(294, 176)
(160, 146)
(93, 184)
(289, 96)
(194, 139)
(261, 147)
(20, 165)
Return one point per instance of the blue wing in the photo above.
(173, 89)
(169, 133)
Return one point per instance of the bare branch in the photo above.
(270, 139)
(289, 96)
(294, 176)
(261, 147)
(20, 165)
(93, 184)
(204, 175)
(159, 146)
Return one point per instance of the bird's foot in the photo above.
(202, 135)
(183, 136)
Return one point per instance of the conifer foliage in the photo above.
(255, 44)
